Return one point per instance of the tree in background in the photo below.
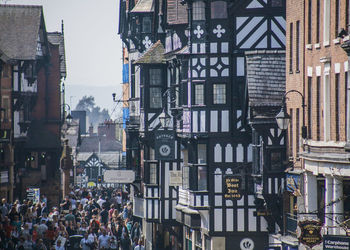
(95, 114)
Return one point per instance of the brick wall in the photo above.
(313, 66)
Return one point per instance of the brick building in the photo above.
(317, 67)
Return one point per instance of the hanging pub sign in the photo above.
(232, 187)
(293, 184)
(331, 242)
(164, 145)
(310, 232)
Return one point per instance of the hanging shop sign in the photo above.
(331, 242)
(119, 176)
(5, 135)
(293, 184)
(232, 187)
(310, 233)
(175, 178)
(164, 145)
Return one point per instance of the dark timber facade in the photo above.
(188, 59)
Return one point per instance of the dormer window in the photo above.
(146, 24)
(198, 10)
(218, 10)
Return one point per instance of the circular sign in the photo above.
(164, 150)
(247, 244)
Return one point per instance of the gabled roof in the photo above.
(19, 30)
(111, 159)
(155, 55)
(266, 78)
(57, 38)
(91, 144)
(143, 6)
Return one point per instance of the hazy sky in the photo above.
(93, 47)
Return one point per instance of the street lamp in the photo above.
(164, 119)
(283, 118)
(69, 118)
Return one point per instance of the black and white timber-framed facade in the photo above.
(191, 63)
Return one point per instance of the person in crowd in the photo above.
(86, 243)
(36, 225)
(103, 240)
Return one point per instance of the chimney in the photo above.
(91, 130)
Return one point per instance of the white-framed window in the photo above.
(198, 10)
(219, 93)
(199, 94)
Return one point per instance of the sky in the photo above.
(93, 47)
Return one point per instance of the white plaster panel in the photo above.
(251, 220)
(203, 122)
(166, 180)
(240, 219)
(224, 121)
(228, 153)
(217, 153)
(218, 183)
(218, 219)
(240, 66)
(213, 121)
(239, 153)
(156, 209)
(229, 219)
(218, 200)
(195, 121)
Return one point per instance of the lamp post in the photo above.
(283, 118)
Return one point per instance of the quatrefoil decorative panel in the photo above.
(198, 67)
(219, 66)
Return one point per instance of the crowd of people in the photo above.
(96, 218)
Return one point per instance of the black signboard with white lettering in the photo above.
(232, 187)
(331, 242)
(164, 145)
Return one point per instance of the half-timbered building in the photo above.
(192, 68)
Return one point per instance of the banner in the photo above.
(164, 145)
